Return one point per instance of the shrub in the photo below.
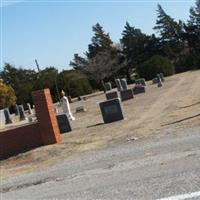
(74, 83)
(156, 64)
(7, 95)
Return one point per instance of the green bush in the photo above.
(156, 64)
(188, 62)
(74, 83)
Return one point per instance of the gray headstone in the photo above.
(124, 84)
(140, 81)
(80, 109)
(118, 83)
(112, 95)
(126, 94)
(162, 77)
(155, 80)
(29, 109)
(7, 116)
(63, 123)
(111, 110)
(159, 84)
(16, 109)
(108, 86)
(22, 115)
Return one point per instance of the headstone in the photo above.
(63, 123)
(29, 109)
(7, 116)
(84, 98)
(22, 115)
(158, 76)
(140, 81)
(126, 94)
(124, 84)
(155, 80)
(16, 110)
(119, 86)
(108, 86)
(80, 109)
(138, 89)
(79, 98)
(162, 77)
(111, 110)
(112, 95)
(159, 83)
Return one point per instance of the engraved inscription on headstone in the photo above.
(64, 123)
(111, 110)
(7, 116)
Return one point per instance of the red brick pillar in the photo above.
(45, 114)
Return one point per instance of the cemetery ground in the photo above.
(175, 106)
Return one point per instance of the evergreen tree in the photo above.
(192, 36)
(100, 42)
(134, 43)
(195, 15)
(170, 33)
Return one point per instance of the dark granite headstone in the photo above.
(111, 110)
(126, 94)
(7, 116)
(112, 95)
(138, 89)
(108, 86)
(124, 84)
(118, 83)
(22, 115)
(63, 123)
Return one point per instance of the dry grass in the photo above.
(146, 114)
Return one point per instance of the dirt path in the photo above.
(177, 103)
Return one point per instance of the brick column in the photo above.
(45, 113)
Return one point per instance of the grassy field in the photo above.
(176, 104)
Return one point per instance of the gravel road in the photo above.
(155, 167)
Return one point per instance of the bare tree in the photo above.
(102, 66)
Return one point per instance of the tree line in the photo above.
(173, 49)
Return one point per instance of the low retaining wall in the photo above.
(20, 139)
(44, 132)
